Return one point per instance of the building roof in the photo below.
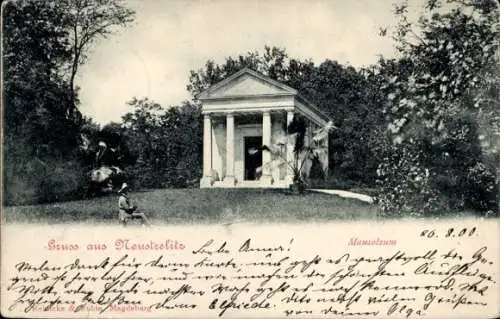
(249, 75)
(248, 84)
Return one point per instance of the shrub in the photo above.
(404, 185)
(481, 188)
(46, 181)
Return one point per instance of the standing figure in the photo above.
(128, 211)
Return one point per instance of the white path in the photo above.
(346, 194)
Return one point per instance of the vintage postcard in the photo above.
(250, 159)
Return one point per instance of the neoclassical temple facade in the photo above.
(242, 113)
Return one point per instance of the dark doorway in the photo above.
(253, 156)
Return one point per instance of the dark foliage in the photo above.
(43, 155)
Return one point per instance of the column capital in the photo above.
(206, 116)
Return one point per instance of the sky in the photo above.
(153, 57)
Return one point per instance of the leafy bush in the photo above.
(404, 186)
(431, 158)
(167, 144)
(43, 182)
(482, 189)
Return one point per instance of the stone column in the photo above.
(289, 151)
(229, 179)
(266, 178)
(206, 180)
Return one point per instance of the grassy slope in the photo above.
(201, 206)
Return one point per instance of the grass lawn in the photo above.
(176, 206)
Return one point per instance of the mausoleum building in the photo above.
(242, 113)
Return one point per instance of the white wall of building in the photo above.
(278, 135)
(240, 133)
(218, 151)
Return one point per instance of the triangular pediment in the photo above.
(247, 83)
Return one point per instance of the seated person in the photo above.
(128, 211)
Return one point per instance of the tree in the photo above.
(34, 94)
(167, 143)
(184, 139)
(353, 100)
(431, 150)
(87, 21)
(42, 125)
